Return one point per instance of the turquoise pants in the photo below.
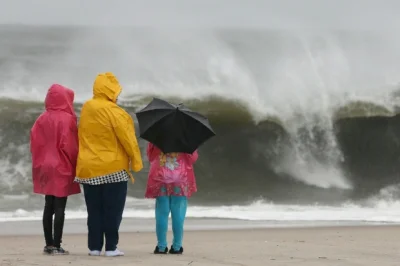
(176, 205)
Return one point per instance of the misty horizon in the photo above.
(302, 14)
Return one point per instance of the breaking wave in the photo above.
(304, 121)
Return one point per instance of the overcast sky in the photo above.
(360, 14)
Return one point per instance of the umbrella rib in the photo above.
(196, 120)
(152, 110)
(189, 114)
(160, 119)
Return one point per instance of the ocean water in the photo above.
(307, 122)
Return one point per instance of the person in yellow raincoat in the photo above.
(108, 151)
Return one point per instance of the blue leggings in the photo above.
(177, 205)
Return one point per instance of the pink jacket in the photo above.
(170, 174)
(54, 145)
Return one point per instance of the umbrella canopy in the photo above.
(173, 128)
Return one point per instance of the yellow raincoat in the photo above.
(107, 141)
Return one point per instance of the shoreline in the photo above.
(145, 225)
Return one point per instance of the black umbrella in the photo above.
(173, 128)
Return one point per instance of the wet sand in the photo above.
(309, 246)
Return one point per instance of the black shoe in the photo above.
(48, 250)
(158, 251)
(59, 251)
(173, 251)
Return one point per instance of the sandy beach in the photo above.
(308, 246)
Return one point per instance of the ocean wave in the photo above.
(300, 117)
(275, 161)
(220, 109)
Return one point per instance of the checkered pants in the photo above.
(105, 179)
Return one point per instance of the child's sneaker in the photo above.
(173, 251)
(60, 251)
(114, 253)
(94, 253)
(48, 250)
(158, 251)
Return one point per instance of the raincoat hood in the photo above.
(106, 86)
(60, 98)
(54, 145)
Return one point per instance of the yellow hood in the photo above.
(106, 86)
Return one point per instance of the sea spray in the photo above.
(285, 106)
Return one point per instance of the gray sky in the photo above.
(361, 14)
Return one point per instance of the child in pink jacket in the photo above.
(171, 182)
(54, 149)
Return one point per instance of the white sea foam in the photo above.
(380, 208)
(258, 211)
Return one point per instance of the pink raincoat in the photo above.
(54, 145)
(170, 174)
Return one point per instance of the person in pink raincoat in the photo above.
(54, 149)
(171, 182)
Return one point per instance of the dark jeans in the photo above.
(105, 204)
(56, 206)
